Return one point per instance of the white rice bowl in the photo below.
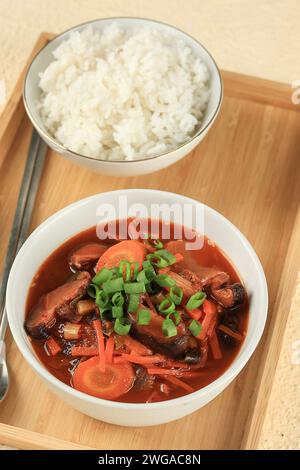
(120, 95)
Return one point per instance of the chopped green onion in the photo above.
(158, 244)
(113, 285)
(134, 300)
(117, 311)
(157, 260)
(134, 287)
(146, 275)
(163, 280)
(176, 316)
(169, 328)
(147, 264)
(166, 255)
(122, 326)
(117, 299)
(115, 273)
(102, 298)
(195, 300)
(127, 274)
(166, 306)
(144, 316)
(136, 267)
(152, 288)
(92, 290)
(176, 294)
(195, 327)
(102, 276)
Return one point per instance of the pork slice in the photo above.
(86, 256)
(152, 336)
(43, 315)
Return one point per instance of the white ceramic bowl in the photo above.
(81, 215)
(31, 94)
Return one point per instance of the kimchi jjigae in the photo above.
(136, 321)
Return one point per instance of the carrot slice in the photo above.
(230, 332)
(109, 350)
(100, 339)
(127, 250)
(179, 383)
(53, 346)
(214, 346)
(84, 351)
(114, 382)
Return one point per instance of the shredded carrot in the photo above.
(214, 346)
(119, 360)
(209, 318)
(109, 349)
(100, 339)
(211, 327)
(230, 332)
(84, 351)
(179, 383)
(53, 346)
(162, 371)
(143, 359)
(196, 313)
(209, 307)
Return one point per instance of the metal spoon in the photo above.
(29, 187)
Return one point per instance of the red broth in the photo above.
(55, 271)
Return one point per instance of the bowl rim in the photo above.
(47, 136)
(233, 370)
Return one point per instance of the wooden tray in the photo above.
(248, 169)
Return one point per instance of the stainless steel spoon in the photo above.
(29, 187)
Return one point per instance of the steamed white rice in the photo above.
(117, 95)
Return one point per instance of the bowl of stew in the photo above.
(137, 329)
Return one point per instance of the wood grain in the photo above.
(248, 169)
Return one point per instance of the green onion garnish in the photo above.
(92, 290)
(134, 287)
(169, 328)
(102, 299)
(134, 300)
(146, 275)
(144, 316)
(176, 316)
(176, 294)
(163, 280)
(195, 327)
(157, 260)
(125, 273)
(166, 255)
(113, 285)
(158, 244)
(166, 306)
(195, 300)
(136, 267)
(117, 299)
(102, 276)
(117, 311)
(122, 326)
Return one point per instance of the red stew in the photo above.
(138, 320)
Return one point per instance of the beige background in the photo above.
(259, 38)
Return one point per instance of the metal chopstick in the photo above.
(28, 190)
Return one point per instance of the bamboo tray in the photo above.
(248, 169)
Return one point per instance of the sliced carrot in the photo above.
(84, 351)
(179, 383)
(114, 382)
(109, 349)
(214, 346)
(196, 313)
(230, 332)
(179, 257)
(209, 307)
(127, 250)
(53, 346)
(100, 339)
